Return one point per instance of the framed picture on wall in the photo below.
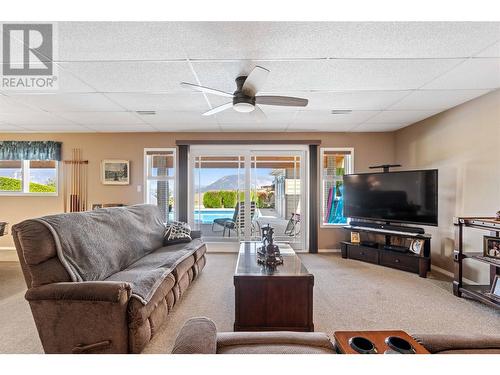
(115, 172)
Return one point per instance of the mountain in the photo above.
(231, 183)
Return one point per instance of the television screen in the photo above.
(405, 197)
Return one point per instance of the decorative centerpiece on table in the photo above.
(269, 254)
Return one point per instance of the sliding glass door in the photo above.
(234, 191)
(276, 187)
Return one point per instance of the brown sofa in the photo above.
(200, 336)
(102, 281)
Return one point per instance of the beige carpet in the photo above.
(347, 295)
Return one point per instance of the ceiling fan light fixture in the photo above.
(243, 107)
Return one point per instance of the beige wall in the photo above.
(464, 144)
(369, 149)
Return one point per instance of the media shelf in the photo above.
(377, 254)
(479, 293)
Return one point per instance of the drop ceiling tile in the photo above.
(167, 118)
(60, 128)
(122, 128)
(181, 101)
(353, 100)
(187, 127)
(87, 41)
(9, 104)
(436, 99)
(132, 76)
(325, 117)
(32, 118)
(318, 127)
(472, 74)
(268, 40)
(69, 102)
(334, 75)
(377, 127)
(10, 128)
(254, 127)
(400, 117)
(102, 118)
(230, 116)
(491, 51)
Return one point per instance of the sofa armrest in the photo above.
(104, 291)
(81, 317)
(198, 336)
(436, 343)
(195, 234)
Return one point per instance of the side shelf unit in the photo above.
(478, 292)
(408, 261)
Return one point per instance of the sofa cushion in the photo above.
(140, 313)
(148, 273)
(94, 245)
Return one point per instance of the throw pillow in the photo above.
(176, 232)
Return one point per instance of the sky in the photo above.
(210, 175)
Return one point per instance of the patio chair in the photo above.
(237, 221)
(293, 226)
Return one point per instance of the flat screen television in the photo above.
(399, 197)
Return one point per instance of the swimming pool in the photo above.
(207, 215)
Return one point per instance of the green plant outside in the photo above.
(15, 185)
(228, 198)
(212, 199)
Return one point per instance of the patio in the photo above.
(264, 216)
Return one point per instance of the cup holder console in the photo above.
(395, 345)
(362, 345)
(399, 345)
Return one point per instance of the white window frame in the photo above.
(147, 177)
(349, 169)
(25, 169)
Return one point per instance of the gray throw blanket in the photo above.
(95, 245)
(148, 273)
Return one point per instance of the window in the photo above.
(20, 177)
(335, 162)
(159, 189)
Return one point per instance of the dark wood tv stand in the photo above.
(376, 254)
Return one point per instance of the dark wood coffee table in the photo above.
(376, 337)
(279, 300)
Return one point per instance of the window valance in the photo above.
(30, 150)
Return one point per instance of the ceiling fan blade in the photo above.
(255, 81)
(258, 114)
(281, 100)
(218, 109)
(208, 90)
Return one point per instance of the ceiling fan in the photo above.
(245, 98)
